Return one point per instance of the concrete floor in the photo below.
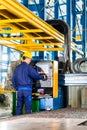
(29, 123)
(62, 119)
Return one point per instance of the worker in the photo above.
(22, 80)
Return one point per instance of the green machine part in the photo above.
(14, 103)
(35, 105)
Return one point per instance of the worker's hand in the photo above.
(41, 72)
(45, 77)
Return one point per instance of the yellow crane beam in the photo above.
(25, 38)
(11, 21)
(20, 31)
(2, 7)
(30, 47)
(20, 20)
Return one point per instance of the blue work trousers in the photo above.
(24, 99)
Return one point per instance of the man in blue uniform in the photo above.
(22, 81)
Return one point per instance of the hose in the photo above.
(63, 28)
(77, 65)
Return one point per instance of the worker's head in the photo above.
(27, 56)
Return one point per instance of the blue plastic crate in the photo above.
(53, 103)
(46, 104)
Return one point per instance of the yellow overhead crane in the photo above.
(33, 33)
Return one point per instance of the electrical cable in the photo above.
(77, 65)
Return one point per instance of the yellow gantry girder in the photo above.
(31, 46)
(19, 23)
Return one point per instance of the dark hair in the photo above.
(24, 57)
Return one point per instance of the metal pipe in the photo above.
(63, 28)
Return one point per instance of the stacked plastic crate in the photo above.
(53, 103)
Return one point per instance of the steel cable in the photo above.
(77, 65)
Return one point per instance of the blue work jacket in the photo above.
(24, 74)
